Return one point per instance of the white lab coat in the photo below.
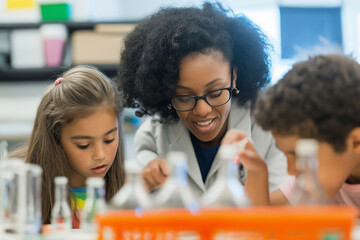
(154, 140)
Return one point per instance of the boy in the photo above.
(318, 98)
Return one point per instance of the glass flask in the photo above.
(33, 199)
(133, 195)
(61, 215)
(20, 197)
(176, 193)
(95, 203)
(307, 189)
(3, 149)
(12, 194)
(227, 190)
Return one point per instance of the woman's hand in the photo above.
(156, 173)
(257, 183)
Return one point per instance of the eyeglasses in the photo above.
(214, 98)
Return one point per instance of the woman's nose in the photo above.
(202, 108)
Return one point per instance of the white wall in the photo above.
(266, 14)
(351, 27)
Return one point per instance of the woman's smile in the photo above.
(205, 126)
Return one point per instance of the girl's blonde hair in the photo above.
(80, 93)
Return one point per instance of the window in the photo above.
(310, 30)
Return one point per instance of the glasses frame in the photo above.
(203, 97)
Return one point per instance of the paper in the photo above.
(18, 4)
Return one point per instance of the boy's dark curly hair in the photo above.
(149, 68)
(317, 98)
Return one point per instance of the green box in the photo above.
(55, 12)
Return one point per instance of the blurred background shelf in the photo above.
(9, 74)
(72, 26)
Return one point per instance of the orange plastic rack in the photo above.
(281, 223)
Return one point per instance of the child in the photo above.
(77, 134)
(318, 99)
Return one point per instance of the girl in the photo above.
(77, 134)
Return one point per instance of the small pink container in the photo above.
(54, 51)
(54, 39)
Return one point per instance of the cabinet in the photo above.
(7, 73)
(19, 100)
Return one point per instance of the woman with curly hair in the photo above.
(196, 72)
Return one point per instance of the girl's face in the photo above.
(200, 74)
(90, 144)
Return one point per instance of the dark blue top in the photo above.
(204, 155)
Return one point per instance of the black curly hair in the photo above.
(149, 68)
(317, 98)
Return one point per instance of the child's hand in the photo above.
(155, 173)
(256, 185)
(247, 156)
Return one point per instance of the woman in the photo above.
(196, 72)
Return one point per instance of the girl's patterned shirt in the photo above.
(79, 202)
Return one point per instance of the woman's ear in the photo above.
(354, 138)
(234, 76)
